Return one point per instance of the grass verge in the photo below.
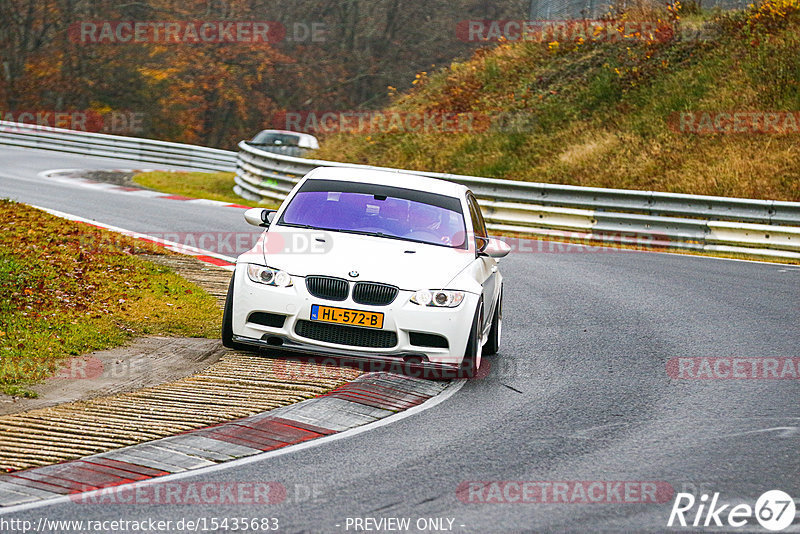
(68, 288)
(210, 185)
(604, 113)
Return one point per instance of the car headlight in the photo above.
(438, 298)
(268, 276)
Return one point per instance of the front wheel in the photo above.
(472, 356)
(493, 343)
(227, 322)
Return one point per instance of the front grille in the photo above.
(346, 335)
(267, 319)
(373, 294)
(421, 339)
(328, 288)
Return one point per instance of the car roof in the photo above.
(305, 140)
(391, 178)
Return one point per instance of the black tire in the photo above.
(227, 322)
(493, 343)
(472, 355)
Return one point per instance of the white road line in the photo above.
(66, 176)
(53, 172)
(208, 202)
(142, 193)
(172, 245)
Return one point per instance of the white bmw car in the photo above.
(371, 265)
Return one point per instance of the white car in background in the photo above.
(371, 265)
(284, 142)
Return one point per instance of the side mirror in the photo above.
(481, 243)
(493, 247)
(259, 217)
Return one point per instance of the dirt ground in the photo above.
(144, 362)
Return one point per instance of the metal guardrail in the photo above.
(760, 227)
(587, 9)
(114, 146)
(645, 218)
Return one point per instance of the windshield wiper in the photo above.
(303, 226)
(362, 232)
(388, 236)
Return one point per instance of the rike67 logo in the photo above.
(774, 510)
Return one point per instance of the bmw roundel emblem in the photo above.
(353, 274)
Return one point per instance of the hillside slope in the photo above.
(608, 114)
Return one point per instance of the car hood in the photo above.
(406, 264)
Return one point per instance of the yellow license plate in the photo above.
(342, 316)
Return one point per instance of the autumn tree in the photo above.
(219, 93)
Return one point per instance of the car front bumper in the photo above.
(401, 317)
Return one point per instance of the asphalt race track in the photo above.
(579, 392)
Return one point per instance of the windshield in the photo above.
(378, 210)
(272, 138)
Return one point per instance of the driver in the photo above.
(425, 218)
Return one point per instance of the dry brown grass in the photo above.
(599, 114)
